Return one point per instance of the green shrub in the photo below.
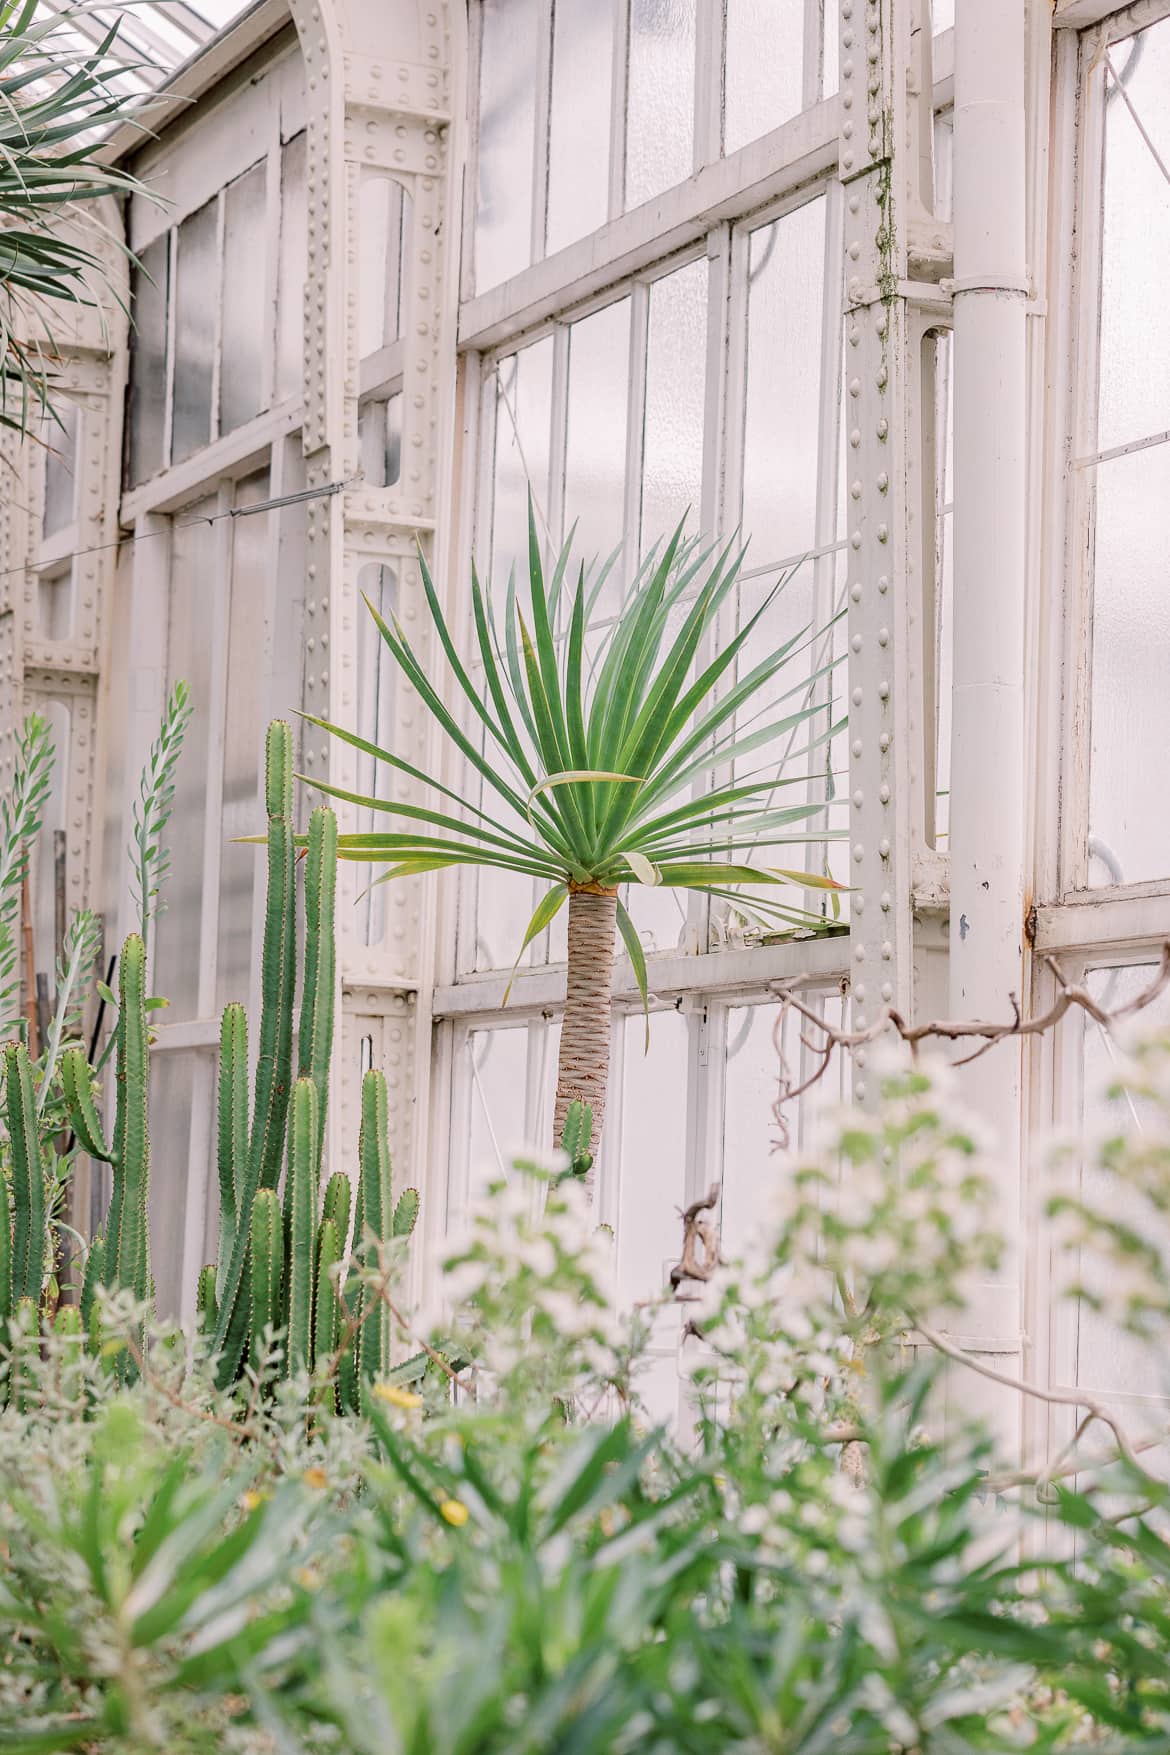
(507, 1555)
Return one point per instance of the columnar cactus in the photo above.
(280, 1265)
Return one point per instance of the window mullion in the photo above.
(635, 424)
(617, 112)
(540, 152)
(812, 58)
(708, 83)
(172, 280)
(217, 343)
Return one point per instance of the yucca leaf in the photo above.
(637, 958)
(546, 910)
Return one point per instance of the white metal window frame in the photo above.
(1084, 930)
(1073, 915)
(819, 23)
(712, 214)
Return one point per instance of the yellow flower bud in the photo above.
(398, 1398)
(454, 1511)
(315, 1478)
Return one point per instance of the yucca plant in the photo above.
(611, 757)
(60, 91)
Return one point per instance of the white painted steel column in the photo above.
(988, 789)
(988, 780)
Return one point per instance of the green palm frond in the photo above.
(59, 95)
(623, 766)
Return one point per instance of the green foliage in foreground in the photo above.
(534, 1565)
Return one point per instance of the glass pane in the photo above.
(243, 743)
(786, 268)
(380, 441)
(582, 102)
(1129, 840)
(294, 250)
(60, 440)
(508, 80)
(196, 283)
(660, 97)
(595, 456)
(172, 1079)
(194, 558)
(148, 360)
(764, 67)
(54, 817)
(384, 219)
(247, 323)
(496, 1065)
(55, 604)
(672, 454)
(523, 383)
(763, 1044)
(1108, 1358)
(1135, 247)
(653, 1124)
(376, 676)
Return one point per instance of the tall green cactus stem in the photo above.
(335, 1207)
(127, 1240)
(278, 966)
(28, 1177)
(405, 1213)
(325, 1323)
(92, 1279)
(206, 1308)
(316, 1037)
(300, 1222)
(267, 1266)
(5, 1266)
(375, 1198)
(232, 1154)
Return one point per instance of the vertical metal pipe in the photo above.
(988, 790)
(988, 782)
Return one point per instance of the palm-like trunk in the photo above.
(583, 1067)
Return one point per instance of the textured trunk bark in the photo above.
(583, 1066)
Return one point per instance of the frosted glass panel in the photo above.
(507, 120)
(383, 224)
(1108, 1358)
(60, 439)
(752, 1166)
(243, 812)
(660, 97)
(195, 301)
(523, 385)
(754, 1133)
(595, 463)
(1129, 839)
(376, 676)
(582, 101)
(653, 1141)
(1135, 257)
(194, 562)
(172, 1079)
(764, 66)
(672, 456)
(148, 360)
(786, 284)
(247, 317)
(497, 1069)
(290, 286)
(380, 441)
